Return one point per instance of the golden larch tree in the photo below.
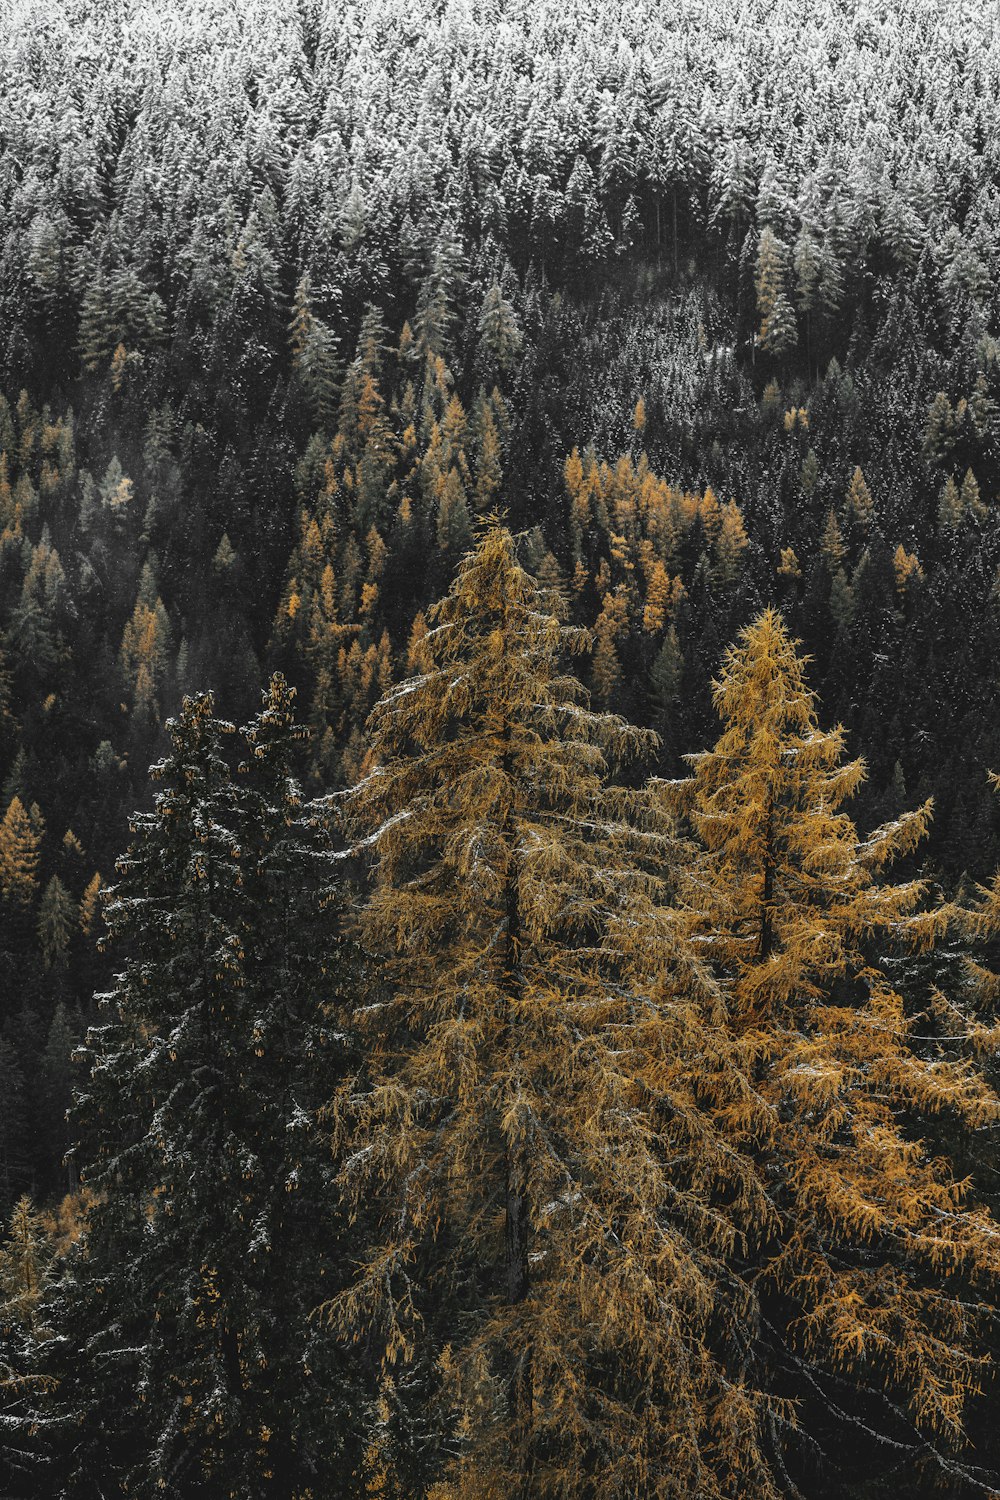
(869, 1263)
(19, 854)
(525, 1146)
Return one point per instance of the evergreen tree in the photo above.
(778, 331)
(499, 334)
(26, 1256)
(55, 1089)
(56, 921)
(14, 1148)
(193, 1284)
(860, 505)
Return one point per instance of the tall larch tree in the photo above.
(871, 1270)
(520, 1136)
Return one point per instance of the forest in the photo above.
(499, 750)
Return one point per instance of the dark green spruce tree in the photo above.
(183, 1345)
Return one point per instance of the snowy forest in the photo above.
(499, 750)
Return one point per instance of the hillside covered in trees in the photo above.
(550, 1048)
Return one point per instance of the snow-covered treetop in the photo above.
(137, 135)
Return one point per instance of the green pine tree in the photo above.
(186, 1343)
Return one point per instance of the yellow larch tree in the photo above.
(731, 545)
(906, 566)
(526, 1148)
(859, 502)
(144, 657)
(869, 1262)
(90, 905)
(25, 1256)
(19, 854)
(950, 510)
(832, 548)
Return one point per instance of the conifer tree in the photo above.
(196, 1276)
(978, 919)
(860, 505)
(731, 544)
(88, 909)
(56, 921)
(489, 464)
(26, 1256)
(499, 334)
(972, 504)
(665, 679)
(950, 509)
(317, 369)
(14, 1152)
(531, 1031)
(454, 528)
(55, 1084)
(295, 997)
(870, 1264)
(24, 1260)
(19, 855)
(778, 331)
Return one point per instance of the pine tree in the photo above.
(55, 1086)
(906, 566)
(864, 1261)
(730, 546)
(950, 509)
(8, 724)
(658, 594)
(499, 335)
(941, 429)
(972, 503)
(201, 1262)
(532, 1240)
(978, 919)
(26, 1256)
(665, 679)
(859, 502)
(832, 548)
(489, 459)
(56, 921)
(842, 601)
(605, 667)
(14, 1146)
(454, 528)
(778, 331)
(296, 997)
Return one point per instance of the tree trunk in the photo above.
(675, 230)
(767, 900)
(516, 1236)
(516, 1201)
(516, 1211)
